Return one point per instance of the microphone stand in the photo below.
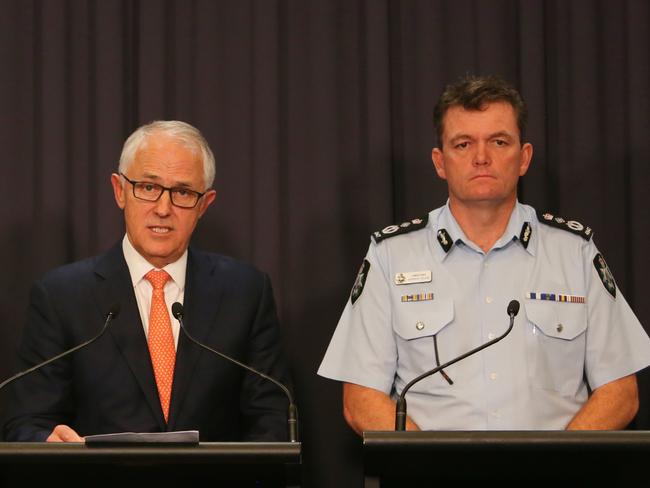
(114, 311)
(292, 416)
(400, 408)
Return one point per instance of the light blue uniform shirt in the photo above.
(535, 378)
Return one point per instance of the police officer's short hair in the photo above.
(473, 93)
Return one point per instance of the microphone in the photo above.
(400, 408)
(113, 312)
(292, 416)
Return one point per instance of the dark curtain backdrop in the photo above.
(319, 113)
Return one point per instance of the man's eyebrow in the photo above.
(502, 133)
(458, 137)
(177, 184)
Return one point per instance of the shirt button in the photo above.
(419, 325)
(490, 336)
(493, 376)
(488, 299)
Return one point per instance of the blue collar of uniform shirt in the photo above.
(520, 215)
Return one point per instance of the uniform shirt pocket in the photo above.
(556, 342)
(414, 326)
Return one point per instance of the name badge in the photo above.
(411, 277)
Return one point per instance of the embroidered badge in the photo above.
(524, 237)
(444, 239)
(408, 278)
(555, 297)
(360, 282)
(561, 223)
(418, 297)
(605, 274)
(403, 228)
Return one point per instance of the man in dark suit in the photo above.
(143, 375)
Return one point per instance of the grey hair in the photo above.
(183, 132)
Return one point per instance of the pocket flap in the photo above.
(415, 320)
(560, 320)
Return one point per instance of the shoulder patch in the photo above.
(360, 282)
(566, 224)
(605, 274)
(397, 229)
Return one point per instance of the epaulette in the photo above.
(566, 224)
(403, 228)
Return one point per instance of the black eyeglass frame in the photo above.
(164, 189)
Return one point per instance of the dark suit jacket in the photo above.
(109, 386)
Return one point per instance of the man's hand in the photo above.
(369, 409)
(63, 433)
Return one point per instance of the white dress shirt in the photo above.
(174, 288)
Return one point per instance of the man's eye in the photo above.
(462, 145)
(148, 187)
(181, 192)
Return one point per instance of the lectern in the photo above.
(147, 466)
(510, 458)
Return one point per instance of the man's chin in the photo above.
(161, 256)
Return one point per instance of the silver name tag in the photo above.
(411, 277)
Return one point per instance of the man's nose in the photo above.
(481, 156)
(164, 204)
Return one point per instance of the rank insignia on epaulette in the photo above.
(605, 274)
(360, 282)
(444, 239)
(403, 228)
(524, 237)
(565, 224)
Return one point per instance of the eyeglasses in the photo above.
(151, 192)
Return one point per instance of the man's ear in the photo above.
(118, 190)
(206, 201)
(438, 162)
(526, 156)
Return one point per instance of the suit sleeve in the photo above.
(40, 400)
(264, 405)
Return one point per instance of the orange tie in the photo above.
(161, 339)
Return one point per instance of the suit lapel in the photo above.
(115, 286)
(203, 290)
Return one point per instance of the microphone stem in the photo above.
(109, 317)
(292, 415)
(400, 407)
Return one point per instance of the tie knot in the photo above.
(157, 278)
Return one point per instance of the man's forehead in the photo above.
(495, 117)
(164, 157)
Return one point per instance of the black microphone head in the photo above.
(177, 310)
(114, 310)
(513, 308)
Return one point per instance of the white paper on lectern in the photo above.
(179, 437)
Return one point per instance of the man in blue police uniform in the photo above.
(433, 288)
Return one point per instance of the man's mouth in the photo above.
(160, 230)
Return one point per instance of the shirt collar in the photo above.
(139, 266)
(521, 214)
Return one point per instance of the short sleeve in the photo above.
(363, 350)
(617, 344)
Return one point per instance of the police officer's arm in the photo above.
(369, 409)
(611, 406)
